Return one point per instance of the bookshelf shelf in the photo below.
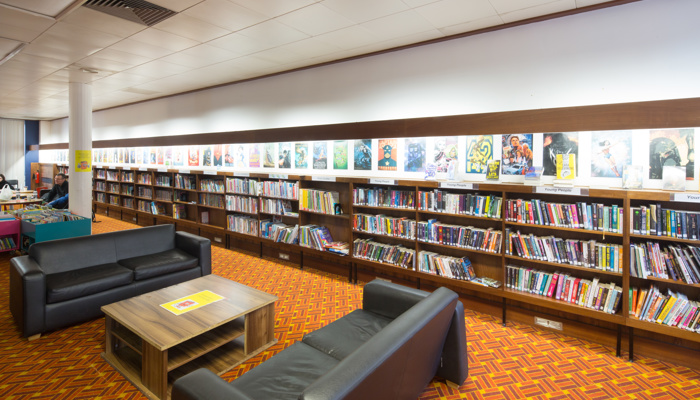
(564, 229)
(465, 249)
(568, 266)
(671, 281)
(663, 238)
(341, 216)
(406, 210)
(379, 235)
(437, 213)
(673, 331)
(545, 301)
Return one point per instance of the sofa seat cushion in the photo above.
(285, 375)
(342, 336)
(82, 282)
(157, 264)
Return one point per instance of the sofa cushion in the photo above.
(285, 375)
(140, 242)
(165, 262)
(63, 255)
(76, 283)
(342, 336)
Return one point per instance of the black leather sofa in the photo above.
(390, 349)
(65, 282)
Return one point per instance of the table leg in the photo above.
(259, 328)
(154, 370)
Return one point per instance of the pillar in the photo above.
(80, 148)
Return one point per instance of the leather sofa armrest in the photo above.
(389, 299)
(27, 295)
(195, 246)
(203, 384)
(454, 366)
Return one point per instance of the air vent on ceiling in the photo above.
(138, 11)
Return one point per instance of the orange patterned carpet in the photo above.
(515, 362)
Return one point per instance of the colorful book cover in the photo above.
(269, 155)
(632, 176)
(254, 156)
(363, 155)
(229, 150)
(566, 166)
(340, 154)
(386, 160)
(610, 152)
(320, 155)
(493, 170)
(479, 153)
(444, 152)
(301, 152)
(517, 155)
(121, 156)
(285, 156)
(153, 156)
(218, 155)
(415, 155)
(671, 147)
(168, 156)
(193, 156)
(554, 144)
(178, 156)
(206, 156)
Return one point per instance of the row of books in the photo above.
(185, 182)
(101, 174)
(7, 243)
(129, 203)
(164, 195)
(158, 208)
(583, 253)
(212, 185)
(449, 267)
(128, 190)
(468, 237)
(113, 188)
(101, 197)
(457, 203)
(284, 189)
(383, 197)
(275, 206)
(100, 186)
(586, 293)
(162, 180)
(315, 237)
(144, 192)
(243, 224)
(279, 232)
(319, 201)
(211, 200)
(579, 215)
(672, 308)
(242, 204)
(144, 179)
(114, 200)
(179, 211)
(144, 206)
(242, 186)
(112, 175)
(673, 262)
(127, 177)
(44, 215)
(385, 225)
(398, 255)
(658, 221)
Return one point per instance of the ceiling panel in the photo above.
(315, 20)
(164, 39)
(176, 5)
(452, 12)
(349, 38)
(506, 6)
(18, 25)
(199, 56)
(365, 10)
(138, 48)
(272, 34)
(472, 25)
(401, 24)
(274, 8)
(548, 8)
(239, 44)
(158, 69)
(127, 59)
(50, 8)
(225, 14)
(192, 28)
(98, 21)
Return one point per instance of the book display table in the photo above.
(9, 235)
(33, 232)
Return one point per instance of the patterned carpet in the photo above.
(515, 362)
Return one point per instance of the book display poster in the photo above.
(160, 156)
(340, 154)
(218, 155)
(415, 155)
(492, 170)
(671, 148)
(132, 156)
(363, 155)
(228, 155)
(144, 156)
(554, 144)
(320, 155)
(254, 156)
(178, 156)
(479, 153)
(301, 152)
(517, 155)
(610, 152)
(121, 156)
(168, 156)
(444, 151)
(269, 155)
(388, 154)
(240, 155)
(285, 156)
(206, 156)
(153, 156)
(193, 156)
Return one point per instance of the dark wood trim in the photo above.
(678, 113)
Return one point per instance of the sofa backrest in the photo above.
(390, 299)
(149, 240)
(396, 363)
(73, 253)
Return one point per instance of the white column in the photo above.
(80, 148)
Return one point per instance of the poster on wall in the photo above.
(132, 155)
(240, 156)
(160, 156)
(153, 159)
(671, 147)
(193, 156)
(340, 154)
(254, 156)
(178, 156)
(444, 151)
(388, 154)
(82, 161)
(479, 153)
(207, 156)
(228, 155)
(269, 155)
(415, 155)
(554, 144)
(301, 151)
(320, 155)
(120, 156)
(363, 155)
(517, 155)
(115, 156)
(218, 155)
(284, 158)
(610, 153)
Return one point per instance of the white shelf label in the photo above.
(242, 174)
(458, 185)
(323, 178)
(382, 181)
(209, 172)
(279, 176)
(162, 170)
(685, 197)
(571, 191)
(184, 171)
(143, 169)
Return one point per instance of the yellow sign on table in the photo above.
(191, 302)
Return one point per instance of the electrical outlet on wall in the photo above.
(549, 323)
(284, 256)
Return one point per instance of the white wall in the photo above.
(636, 52)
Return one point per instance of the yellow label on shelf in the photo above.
(191, 302)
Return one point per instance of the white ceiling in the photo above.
(213, 42)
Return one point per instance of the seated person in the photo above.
(59, 189)
(61, 202)
(4, 182)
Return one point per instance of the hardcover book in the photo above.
(632, 176)
(566, 166)
(493, 170)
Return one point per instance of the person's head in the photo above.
(2, 177)
(60, 178)
(514, 141)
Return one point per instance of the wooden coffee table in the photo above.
(152, 347)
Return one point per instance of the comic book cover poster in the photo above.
(228, 155)
(363, 155)
(121, 156)
(144, 155)
(168, 155)
(671, 147)
(153, 156)
(479, 153)
(388, 154)
(444, 151)
(159, 156)
(320, 155)
(517, 156)
(218, 160)
(301, 152)
(340, 154)
(178, 156)
(284, 157)
(207, 156)
(610, 152)
(193, 156)
(132, 156)
(269, 155)
(95, 156)
(254, 156)
(558, 143)
(415, 155)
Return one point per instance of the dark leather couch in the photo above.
(65, 282)
(389, 349)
